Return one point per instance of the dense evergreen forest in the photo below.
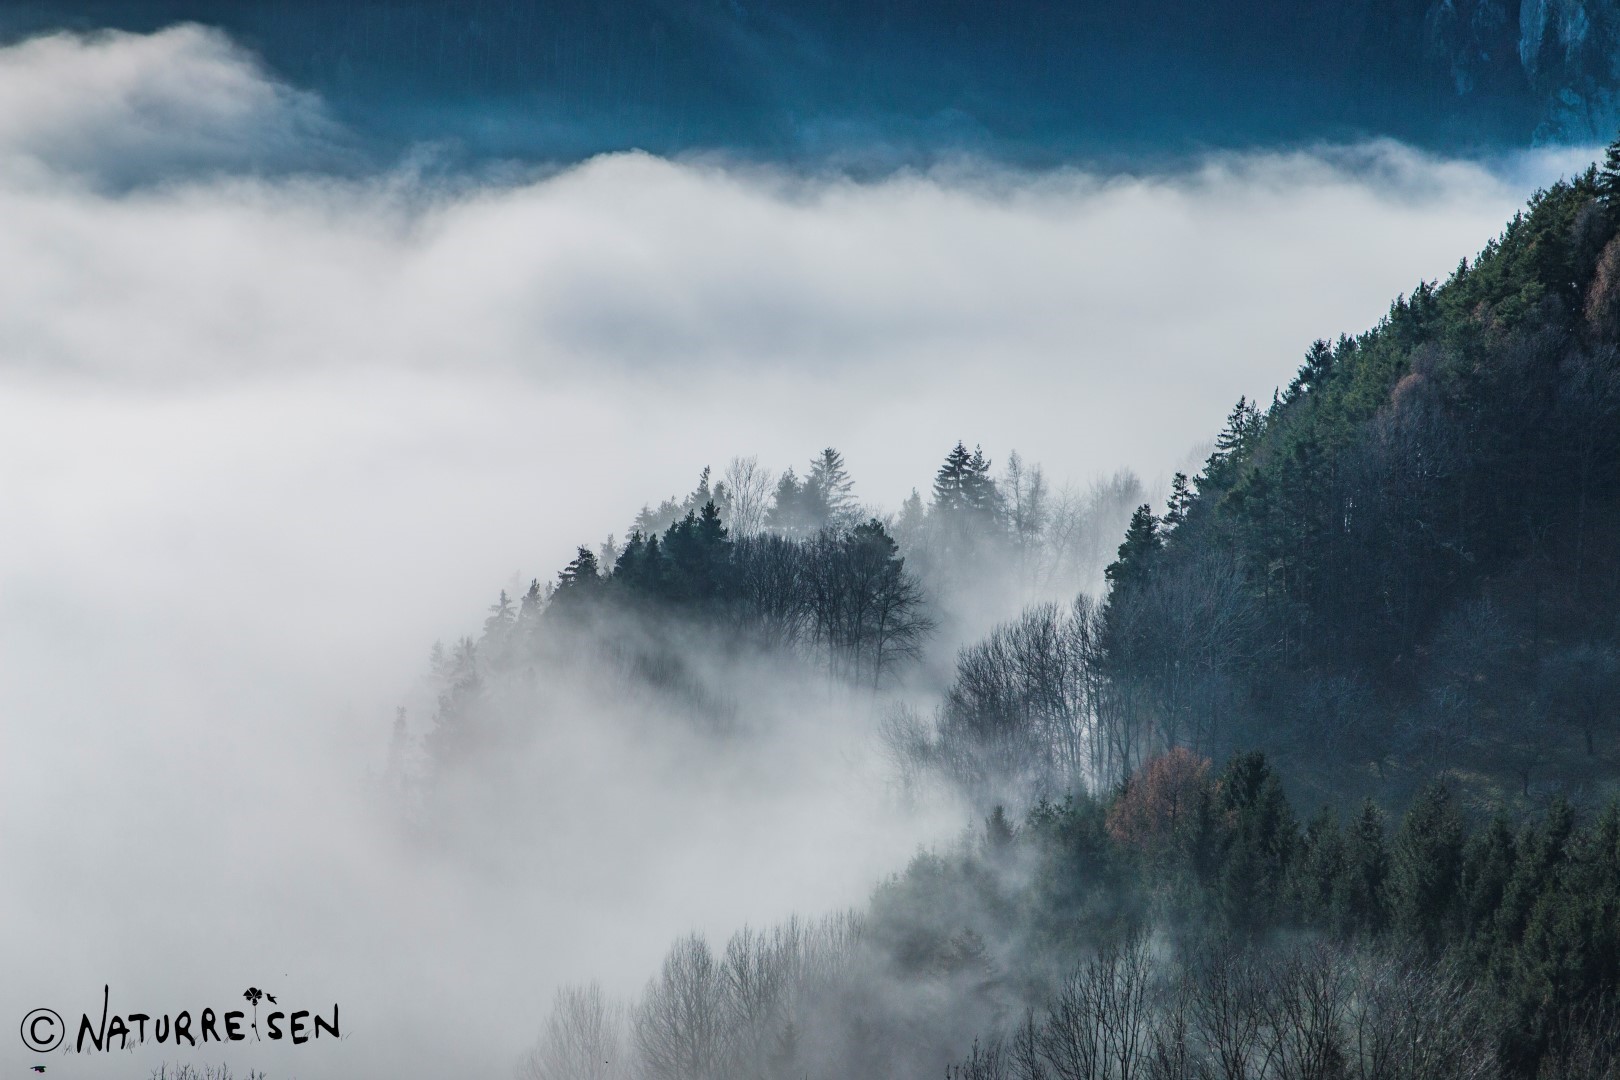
(1321, 783)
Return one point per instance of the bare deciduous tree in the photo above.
(680, 1026)
(748, 492)
(583, 1039)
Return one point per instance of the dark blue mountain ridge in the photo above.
(1031, 81)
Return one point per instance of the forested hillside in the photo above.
(1407, 559)
(1403, 564)
(755, 568)
(1392, 592)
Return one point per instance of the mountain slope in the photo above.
(896, 79)
(1424, 526)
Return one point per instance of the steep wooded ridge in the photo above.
(1400, 577)
(1030, 80)
(1408, 559)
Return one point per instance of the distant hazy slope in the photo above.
(1030, 79)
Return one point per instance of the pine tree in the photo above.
(653, 577)
(459, 724)
(1487, 868)
(1180, 504)
(1424, 868)
(1313, 373)
(1318, 870)
(496, 642)
(1244, 426)
(1608, 174)
(500, 617)
(1136, 554)
(1259, 844)
(913, 519)
(577, 583)
(979, 491)
(1540, 855)
(530, 609)
(967, 527)
(698, 553)
(1359, 897)
(631, 573)
(833, 487)
(529, 606)
(786, 513)
(951, 482)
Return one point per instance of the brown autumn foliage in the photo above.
(1159, 799)
(1603, 297)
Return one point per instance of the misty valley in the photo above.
(1307, 771)
(786, 540)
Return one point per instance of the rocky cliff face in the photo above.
(1562, 55)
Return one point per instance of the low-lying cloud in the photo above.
(116, 109)
(265, 434)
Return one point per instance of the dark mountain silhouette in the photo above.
(896, 80)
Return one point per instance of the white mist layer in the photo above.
(263, 440)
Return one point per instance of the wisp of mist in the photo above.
(271, 424)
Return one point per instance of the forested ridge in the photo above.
(1322, 783)
(1421, 530)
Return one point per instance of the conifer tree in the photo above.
(529, 606)
(1359, 898)
(786, 512)
(1319, 869)
(908, 527)
(577, 583)
(979, 489)
(833, 487)
(1180, 504)
(1313, 373)
(1608, 174)
(1142, 542)
(496, 641)
(951, 481)
(1539, 857)
(1425, 865)
(630, 570)
(1487, 868)
(1259, 843)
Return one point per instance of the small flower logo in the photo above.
(253, 994)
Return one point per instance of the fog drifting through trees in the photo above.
(266, 435)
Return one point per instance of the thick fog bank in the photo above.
(265, 434)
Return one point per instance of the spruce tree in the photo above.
(1424, 868)
(833, 486)
(577, 582)
(1608, 174)
(1488, 867)
(1359, 899)
(1541, 850)
(1142, 542)
(979, 493)
(501, 614)
(1313, 373)
(951, 481)
(786, 512)
(1180, 504)
(1259, 844)
(1318, 870)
